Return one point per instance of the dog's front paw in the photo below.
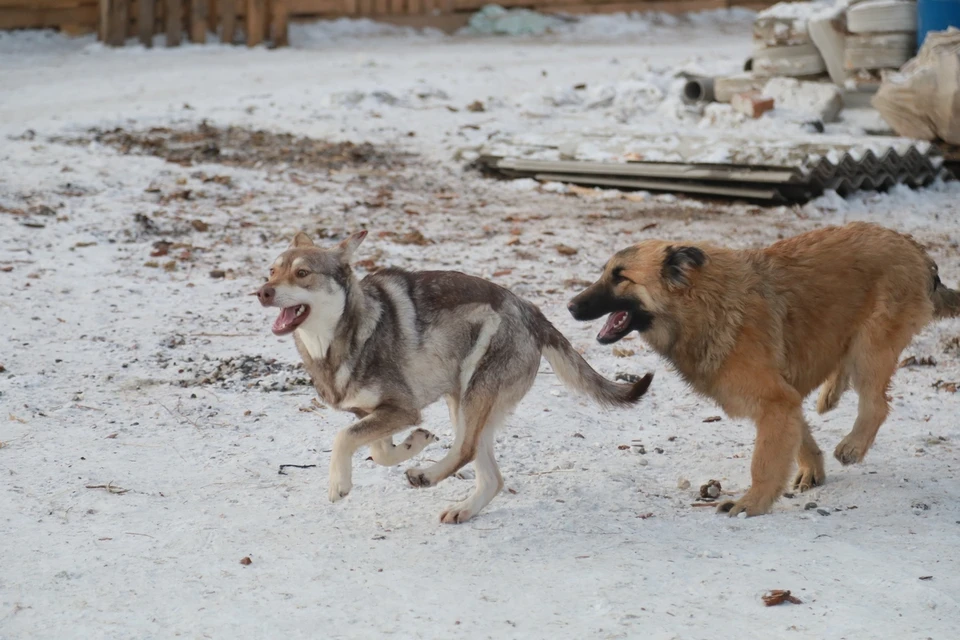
(340, 484)
(809, 477)
(456, 515)
(850, 451)
(339, 490)
(750, 503)
(418, 478)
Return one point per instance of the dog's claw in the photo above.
(455, 516)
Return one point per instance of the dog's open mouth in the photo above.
(618, 324)
(290, 318)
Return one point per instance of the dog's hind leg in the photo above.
(811, 472)
(385, 453)
(833, 388)
(489, 480)
(871, 379)
(875, 355)
(470, 420)
(382, 423)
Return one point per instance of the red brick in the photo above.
(751, 103)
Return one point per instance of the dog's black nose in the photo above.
(573, 307)
(266, 294)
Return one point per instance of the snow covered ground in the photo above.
(147, 407)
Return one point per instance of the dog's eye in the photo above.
(302, 273)
(271, 272)
(617, 275)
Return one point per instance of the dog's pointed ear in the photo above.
(679, 262)
(301, 241)
(349, 245)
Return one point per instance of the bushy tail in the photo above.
(574, 372)
(946, 301)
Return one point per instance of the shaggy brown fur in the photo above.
(759, 330)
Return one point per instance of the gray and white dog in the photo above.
(397, 341)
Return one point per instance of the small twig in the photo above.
(295, 466)
(543, 473)
(145, 535)
(704, 504)
(222, 335)
(189, 420)
(109, 487)
(83, 406)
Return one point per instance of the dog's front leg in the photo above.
(383, 422)
(387, 454)
(779, 420)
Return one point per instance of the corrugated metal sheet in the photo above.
(792, 170)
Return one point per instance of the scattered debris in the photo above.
(913, 361)
(245, 561)
(810, 505)
(414, 236)
(683, 484)
(926, 577)
(200, 225)
(823, 512)
(623, 447)
(779, 596)
(476, 107)
(943, 385)
(621, 352)
(713, 419)
(576, 283)
(711, 490)
(218, 273)
(564, 250)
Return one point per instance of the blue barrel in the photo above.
(936, 15)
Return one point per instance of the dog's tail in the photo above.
(946, 301)
(574, 372)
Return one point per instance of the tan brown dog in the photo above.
(758, 330)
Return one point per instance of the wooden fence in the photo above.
(258, 21)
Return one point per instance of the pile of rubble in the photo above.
(835, 52)
(818, 58)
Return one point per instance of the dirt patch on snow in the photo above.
(243, 372)
(241, 147)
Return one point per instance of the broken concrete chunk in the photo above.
(725, 88)
(817, 100)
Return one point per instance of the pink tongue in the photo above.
(611, 323)
(285, 318)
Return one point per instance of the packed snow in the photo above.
(147, 409)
